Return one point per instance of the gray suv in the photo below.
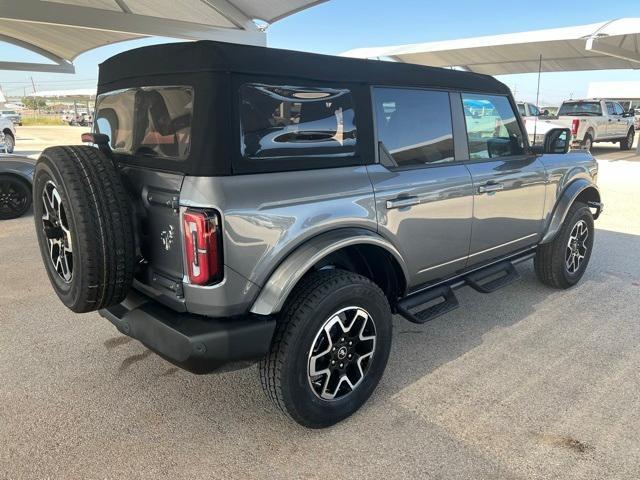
(242, 204)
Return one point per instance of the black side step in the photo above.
(501, 274)
(448, 302)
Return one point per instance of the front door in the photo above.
(424, 196)
(509, 183)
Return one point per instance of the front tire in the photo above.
(330, 348)
(562, 262)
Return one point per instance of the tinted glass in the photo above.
(611, 110)
(289, 121)
(492, 128)
(522, 110)
(414, 125)
(534, 110)
(580, 109)
(153, 121)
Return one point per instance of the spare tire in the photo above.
(84, 227)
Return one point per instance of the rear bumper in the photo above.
(193, 342)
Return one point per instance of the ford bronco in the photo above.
(241, 204)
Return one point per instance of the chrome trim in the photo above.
(503, 244)
(443, 264)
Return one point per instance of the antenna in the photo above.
(535, 124)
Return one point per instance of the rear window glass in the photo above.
(580, 108)
(152, 121)
(290, 121)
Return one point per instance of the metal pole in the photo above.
(535, 124)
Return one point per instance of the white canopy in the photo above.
(607, 45)
(60, 30)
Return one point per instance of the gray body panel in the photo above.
(510, 217)
(433, 234)
(276, 226)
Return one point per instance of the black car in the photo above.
(16, 177)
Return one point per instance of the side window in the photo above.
(534, 111)
(522, 110)
(414, 126)
(618, 109)
(289, 121)
(492, 128)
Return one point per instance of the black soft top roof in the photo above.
(208, 56)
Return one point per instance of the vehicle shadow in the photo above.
(420, 350)
(614, 154)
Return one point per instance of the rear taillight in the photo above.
(574, 126)
(203, 246)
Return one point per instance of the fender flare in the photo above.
(564, 202)
(292, 269)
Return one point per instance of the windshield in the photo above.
(151, 121)
(577, 109)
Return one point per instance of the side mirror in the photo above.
(631, 112)
(557, 141)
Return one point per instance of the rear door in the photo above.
(508, 182)
(150, 134)
(424, 194)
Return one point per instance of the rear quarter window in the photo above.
(295, 124)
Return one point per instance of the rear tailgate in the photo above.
(160, 239)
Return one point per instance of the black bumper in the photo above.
(193, 342)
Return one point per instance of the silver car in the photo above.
(243, 204)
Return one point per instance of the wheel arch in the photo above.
(579, 190)
(354, 249)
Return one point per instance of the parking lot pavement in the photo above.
(526, 383)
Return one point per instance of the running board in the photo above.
(427, 305)
(496, 276)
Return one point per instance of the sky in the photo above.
(341, 25)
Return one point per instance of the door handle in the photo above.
(490, 187)
(401, 202)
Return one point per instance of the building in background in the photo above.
(626, 93)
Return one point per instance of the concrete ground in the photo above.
(525, 383)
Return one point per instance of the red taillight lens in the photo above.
(574, 126)
(203, 247)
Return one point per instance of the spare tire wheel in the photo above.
(84, 227)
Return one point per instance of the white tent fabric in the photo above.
(607, 45)
(60, 30)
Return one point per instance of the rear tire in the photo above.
(312, 352)
(84, 227)
(587, 143)
(627, 142)
(562, 262)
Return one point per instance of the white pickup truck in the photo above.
(536, 122)
(597, 120)
(7, 135)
